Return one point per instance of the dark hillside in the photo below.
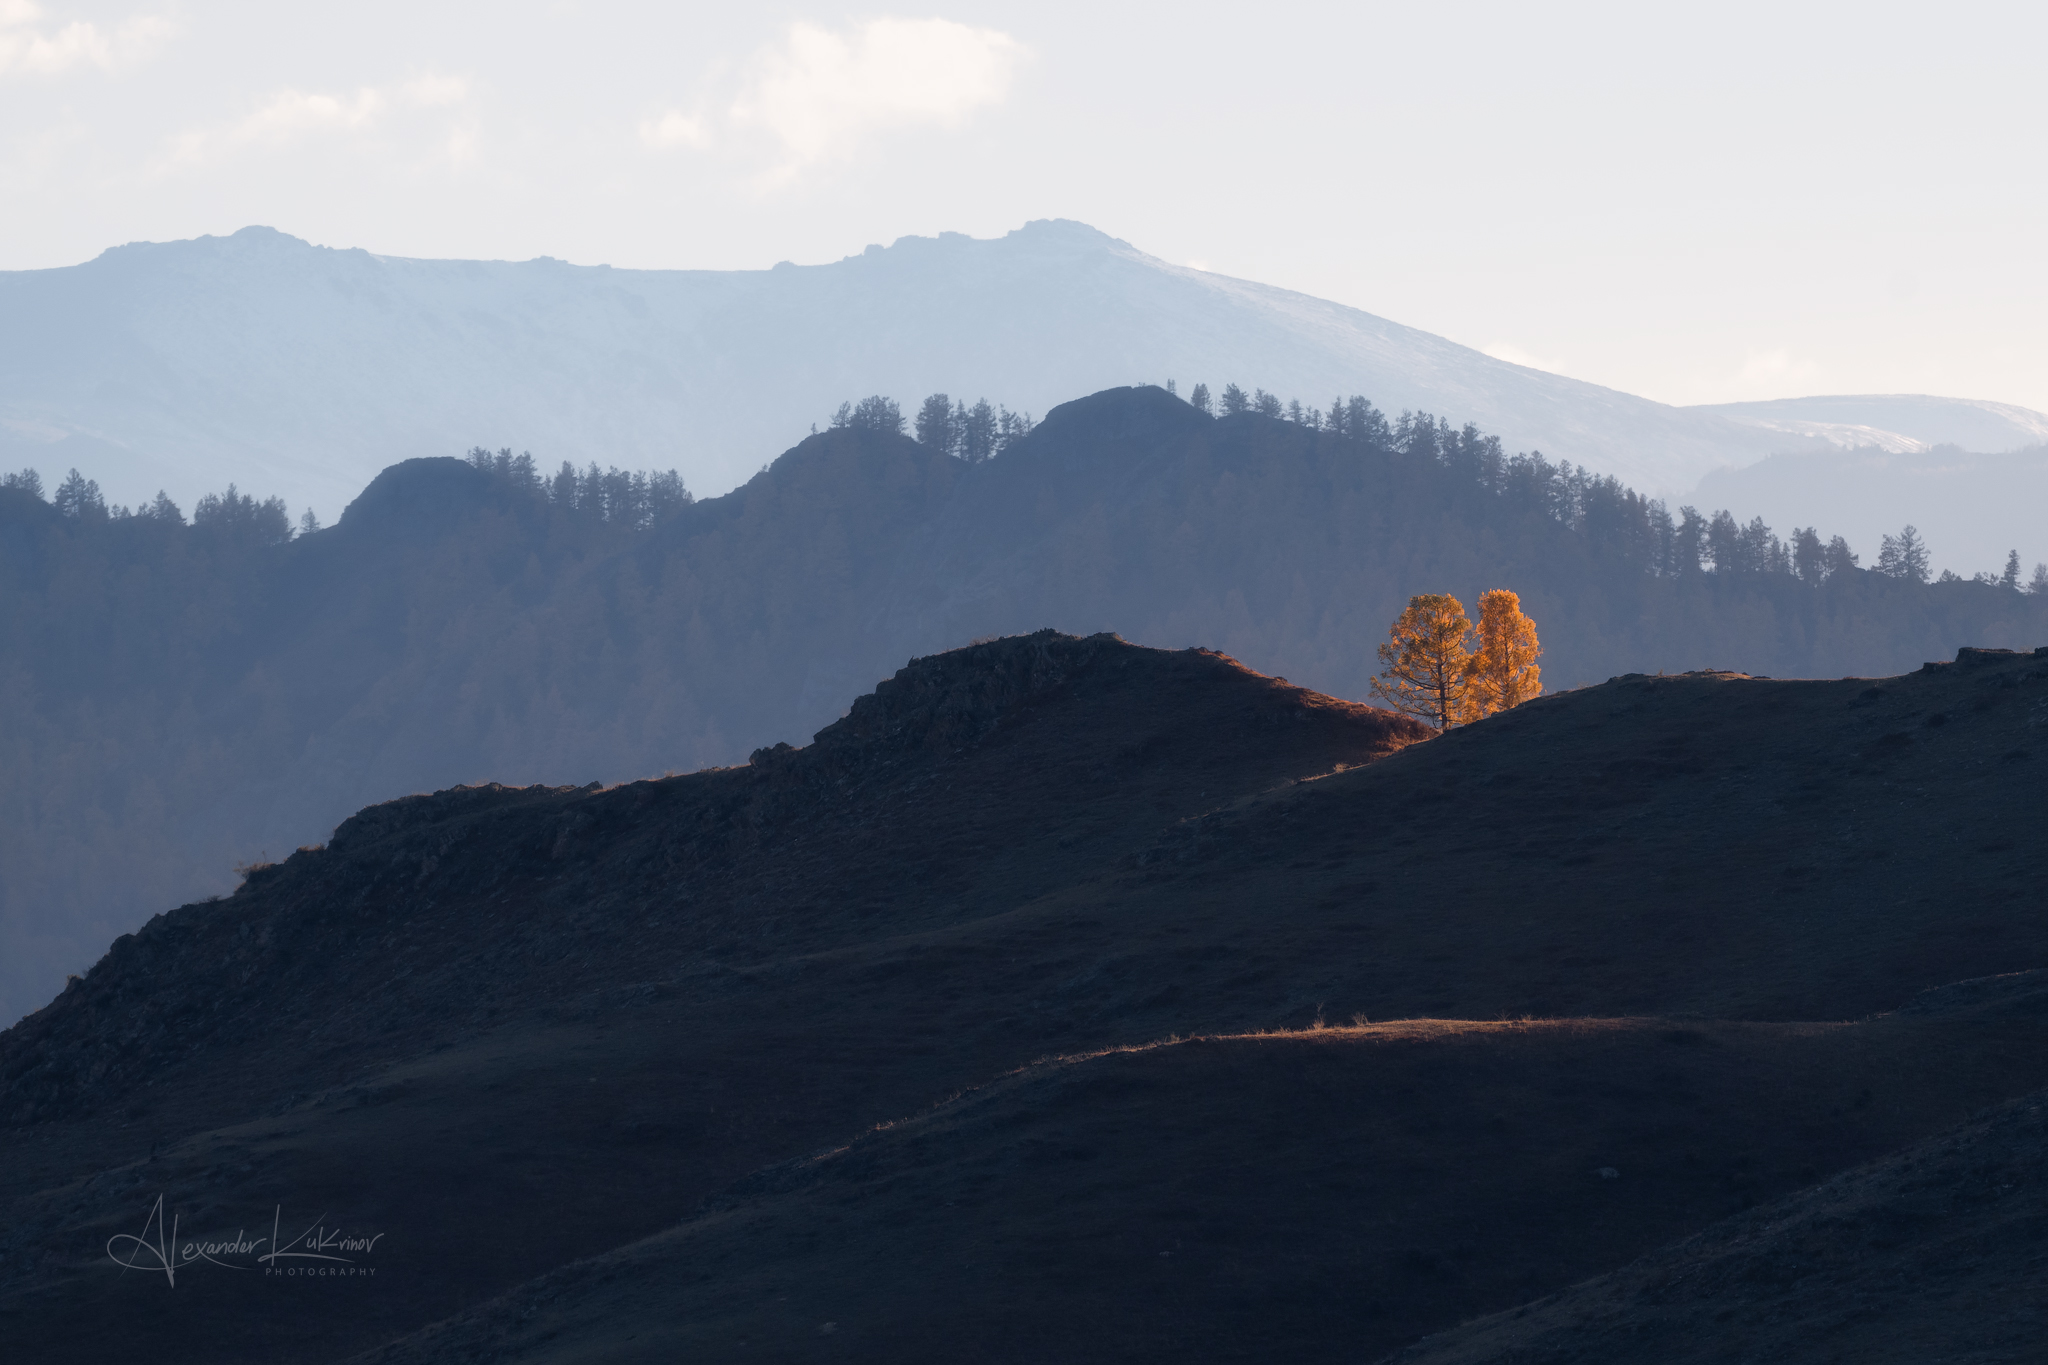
(1705, 843)
(634, 995)
(1937, 1253)
(181, 700)
(515, 1028)
(180, 704)
(1318, 1196)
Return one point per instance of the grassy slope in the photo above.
(1325, 1195)
(513, 1029)
(1936, 1253)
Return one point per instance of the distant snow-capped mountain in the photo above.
(1896, 423)
(303, 370)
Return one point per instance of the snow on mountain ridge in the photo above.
(1899, 423)
(1847, 435)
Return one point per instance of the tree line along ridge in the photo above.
(1615, 520)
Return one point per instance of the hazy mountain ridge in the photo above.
(451, 629)
(1973, 509)
(1898, 424)
(303, 370)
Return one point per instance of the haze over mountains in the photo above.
(1971, 508)
(186, 698)
(303, 370)
(916, 807)
(1001, 1012)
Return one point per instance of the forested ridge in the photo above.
(182, 698)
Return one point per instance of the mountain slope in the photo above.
(1933, 1254)
(515, 1029)
(180, 703)
(1321, 1195)
(570, 1015)
(303, 370)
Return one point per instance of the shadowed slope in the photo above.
(895, 819)
(1937, 1253)
(1320, 1196)
(517, 1028)
(1706, 843)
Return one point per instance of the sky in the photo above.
(1694, 203)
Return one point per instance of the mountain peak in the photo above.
(1066, 229)
(418, 498)
(943, 703)
(1118, 417)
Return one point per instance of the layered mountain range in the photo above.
(651, 983)
(182, 699)
(302, 370)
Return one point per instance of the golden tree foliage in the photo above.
(1447, 671)
(1428, 664)
(1503, 666)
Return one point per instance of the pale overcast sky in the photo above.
(1695, 203)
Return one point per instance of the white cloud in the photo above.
(27, 46)
(822, 92)
(675, 129)
(292, 115)
(818, 94)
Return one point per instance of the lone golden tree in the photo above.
(1503, 667)
(1428, 665)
